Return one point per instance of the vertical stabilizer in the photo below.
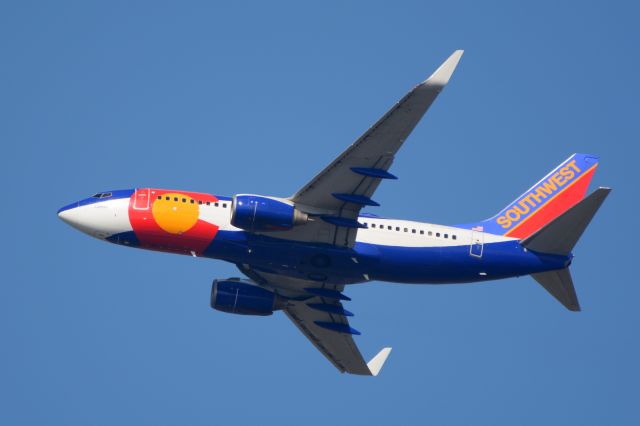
(547, 199)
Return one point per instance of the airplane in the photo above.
(299, 253)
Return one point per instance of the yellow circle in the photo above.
(175, 217)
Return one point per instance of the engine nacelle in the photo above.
(258, 213)
(244, 297)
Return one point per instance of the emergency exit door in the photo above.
(477, 243)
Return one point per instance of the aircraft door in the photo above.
(141, 200)
(477, 243)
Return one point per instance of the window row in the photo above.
(412, 230)
(192, 201)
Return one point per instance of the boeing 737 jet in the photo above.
(299, 253)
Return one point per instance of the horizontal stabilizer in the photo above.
(376, 363)
(562, 234)
(560, 285)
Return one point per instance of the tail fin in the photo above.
(546, 200)
(559, 237)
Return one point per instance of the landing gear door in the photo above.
(141, 201)
(477, 243)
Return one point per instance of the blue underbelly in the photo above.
(326, 263)
(455, 264)
(321, 262)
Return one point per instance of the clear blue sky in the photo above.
(257, 97)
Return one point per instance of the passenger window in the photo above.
(454, 237)
(406, 230)
(208, 203)
(159, 197)
(388, 227)
(437, 234)
(215, 204)
(192, 201)
(184, 200)
(224, 205)
(413, 231)
(430, 233)
(373, 225)
(175, 198)
(446, 235)
(397, 228)
(199, 201)
(421, 232)
(167, 198)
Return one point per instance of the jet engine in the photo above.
(244, 297)
(258, 213)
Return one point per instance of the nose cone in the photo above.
(91, 219)
(99, 217)
(72, 215)
(62, 210)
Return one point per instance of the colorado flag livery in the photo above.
(299, 253)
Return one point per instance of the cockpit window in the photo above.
(102, 195)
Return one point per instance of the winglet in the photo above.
(441, 77)
(376, 363)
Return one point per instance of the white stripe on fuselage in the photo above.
(381, 234)
(402, 234)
